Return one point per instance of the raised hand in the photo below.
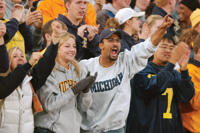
(167, 22)
(57, 30)
(93, 30)
(18, 13)
(81, 30)
(157, 36)
(2, 29)
(35, 56)
(100, 2)
(34, 18)
(98, 5)
(2, 32)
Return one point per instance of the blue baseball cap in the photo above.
(106, 33)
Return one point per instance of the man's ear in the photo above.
(170, 2)
(67, 5)
(128, 22)
(101, 45)
(47, 36)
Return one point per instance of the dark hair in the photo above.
(190, 4)
(168, 38)
(149, 9)
(67, 1)
(108, 1)
(132, 5)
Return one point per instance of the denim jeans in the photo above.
(42, 130)
(121, 130)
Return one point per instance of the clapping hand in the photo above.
(34, 18)
(18, 13)
(84, 84)
(2, 29)
(2, 32)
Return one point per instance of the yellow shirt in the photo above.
(16, 41)
(190, 112)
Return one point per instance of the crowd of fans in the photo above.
(100, 66)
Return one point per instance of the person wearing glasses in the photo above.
(157, 90)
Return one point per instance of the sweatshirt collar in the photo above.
(109, 7)
(68, 22)
(60, 68)
(194, 62)
(159, 11)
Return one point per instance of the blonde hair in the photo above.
(11, 52)
(152, 18)
(161, 3)
(113, 23)
(63, 38)
(188, 36)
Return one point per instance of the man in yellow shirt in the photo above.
(51, 8)
(190, 111)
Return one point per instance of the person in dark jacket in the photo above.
(87, 39)
(157, 90)
(4, 61)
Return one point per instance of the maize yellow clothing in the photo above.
(17, 40)
(190, 112)
(51, 8)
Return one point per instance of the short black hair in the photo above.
(168, 38)
(149, 9)
(108, 1)
(132, 4)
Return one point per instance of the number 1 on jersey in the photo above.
(168, 91)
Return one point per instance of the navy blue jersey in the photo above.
(156, 92)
